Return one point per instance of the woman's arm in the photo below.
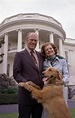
(65, 71)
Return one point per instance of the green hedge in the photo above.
(10, 90)
(8, 99)
(8, 96)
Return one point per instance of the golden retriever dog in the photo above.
(51, 96)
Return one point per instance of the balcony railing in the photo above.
(31, 16)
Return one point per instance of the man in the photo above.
(26, 69)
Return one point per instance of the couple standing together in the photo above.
(28, 66)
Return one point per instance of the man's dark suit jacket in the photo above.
(25, 70)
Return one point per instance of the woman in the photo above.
(49, 53)
(51, 59)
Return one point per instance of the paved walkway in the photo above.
(8, 108)
(14, 107)
(71, 102)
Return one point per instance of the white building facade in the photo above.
(69, 47)
(14, 29)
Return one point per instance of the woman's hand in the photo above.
(59, 82)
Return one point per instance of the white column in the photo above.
(0, 50)
(0, 60)
(5, 54)
(51, 38)
(60, 47)
(0, 63)
(11, 68)
(37, 32)
(19, 46)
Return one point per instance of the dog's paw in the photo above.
(30, 83)
(21, 84)
(26, 86)
(34, 85)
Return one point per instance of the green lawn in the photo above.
(72, 113)
(15, 115)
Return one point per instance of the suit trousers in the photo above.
(26, 111)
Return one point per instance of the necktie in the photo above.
(33, 57)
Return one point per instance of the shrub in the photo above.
(8, 98)
(10, 90)
(8, 95)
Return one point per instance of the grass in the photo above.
(12, 115)
(72, 113)
(15, 115)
